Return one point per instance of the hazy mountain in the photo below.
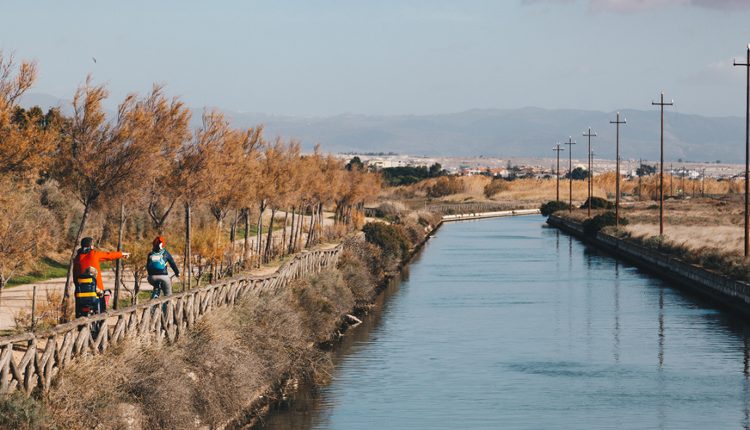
(517, 133)
(520, 132)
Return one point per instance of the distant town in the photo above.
(524, 167)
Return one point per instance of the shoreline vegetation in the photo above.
(233, 364)
(704, 231)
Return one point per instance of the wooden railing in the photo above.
(31, 360)
(470, 208)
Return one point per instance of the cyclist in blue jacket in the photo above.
(156, 265)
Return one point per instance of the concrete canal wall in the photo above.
(496, 214)
(732, 293)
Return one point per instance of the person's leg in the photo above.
(163, 282)
(167, 285)
(155, 284)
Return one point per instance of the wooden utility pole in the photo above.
(570, 143)
(746, 65)
(617, 123)
(661, 105)
(557, 172)
(589, 134)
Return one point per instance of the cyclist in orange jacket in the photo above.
(86, 259)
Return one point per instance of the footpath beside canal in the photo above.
(723, 289)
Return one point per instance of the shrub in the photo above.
(413, 230)
(497, 185)
(322, 300)
(18, 412)
(390, 208)
(428, 219)
(446, 186)
(356, 267)
(553, 206)
(594, 225)
(388, 237)
(598, 203)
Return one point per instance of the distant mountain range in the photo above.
(523, 132)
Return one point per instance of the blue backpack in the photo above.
(156, 261)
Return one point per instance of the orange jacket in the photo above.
(92, 259)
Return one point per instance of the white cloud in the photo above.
(627, 6)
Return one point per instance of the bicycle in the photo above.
(159, 286)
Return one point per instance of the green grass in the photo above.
(48, 268)
(254, 229)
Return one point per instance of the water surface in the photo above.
(505, 324)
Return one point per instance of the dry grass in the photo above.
(521, 192)
(703, 231)
(723, 237)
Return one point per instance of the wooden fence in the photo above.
(31, 361)
(470, 208)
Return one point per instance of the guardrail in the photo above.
(32, 360)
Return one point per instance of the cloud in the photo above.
(719, 73)
(629, 6)
(722, 4)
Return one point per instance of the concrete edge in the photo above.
(715, 286)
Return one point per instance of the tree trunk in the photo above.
(246, 250)
(186, 263)
(232, 238)
(136, 287)
(259, 234)
(269, 238)
(283, 232)
(69, 278)
(290, 249)
(319, 232)
(217, 256)
(118, 262)
(310, 229)
(301, 223)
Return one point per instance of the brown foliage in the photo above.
(23, 147)
(445, 186)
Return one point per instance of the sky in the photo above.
(392, 57)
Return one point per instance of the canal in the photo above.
(504, 323)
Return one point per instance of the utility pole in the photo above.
(617, 123)
(570, 142)
(746, 65)
(589, 134)
(557, 172)
(661, 105)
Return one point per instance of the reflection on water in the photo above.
(499, 326)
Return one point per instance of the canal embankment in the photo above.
(492, 214)
(723, 289)
(551, 332)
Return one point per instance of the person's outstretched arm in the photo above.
(108, 256)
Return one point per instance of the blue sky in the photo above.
(327, 57)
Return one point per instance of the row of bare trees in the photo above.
(132, 170)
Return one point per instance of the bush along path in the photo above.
(223, 369)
